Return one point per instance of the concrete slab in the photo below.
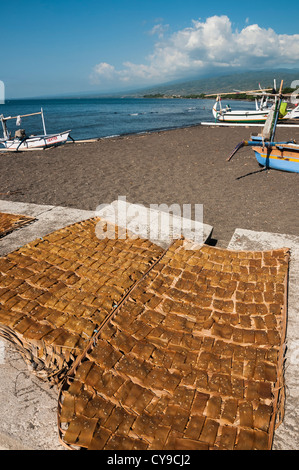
(158, 226)
(28, 407)
(287, 435)
(48, 219)
(23, 208)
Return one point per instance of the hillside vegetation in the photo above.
(223, 84)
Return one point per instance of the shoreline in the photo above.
(159, 130)
(285, 125)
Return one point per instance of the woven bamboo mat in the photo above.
(10, 222)
(192, 358)
(56, 291)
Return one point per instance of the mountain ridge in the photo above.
(223, 83)
(208, 84)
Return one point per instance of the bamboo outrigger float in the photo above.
(269, 153)
(23, 142)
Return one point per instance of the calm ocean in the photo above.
(105, 117)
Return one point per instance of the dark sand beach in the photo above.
(182, 166)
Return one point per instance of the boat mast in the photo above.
(43, 120)
(277, 109)
(4, 127)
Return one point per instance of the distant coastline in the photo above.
(238, 96)
(206, 87)
(201, 96)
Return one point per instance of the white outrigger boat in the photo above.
(23, 142)
(257, 116)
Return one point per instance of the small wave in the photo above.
(110, 136)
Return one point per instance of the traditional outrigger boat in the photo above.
(23, 142)
(255, 116)
(269, 153)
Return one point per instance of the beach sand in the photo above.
(182, 166)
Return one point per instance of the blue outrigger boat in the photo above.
(269, 153)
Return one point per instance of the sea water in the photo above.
(106, 117)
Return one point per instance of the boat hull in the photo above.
(37, 142)
(242, 119)
(284, 158)
(253, 117)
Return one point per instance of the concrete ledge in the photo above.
(48, 219)
(28, 407)
(158, 226)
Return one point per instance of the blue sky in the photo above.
(54, 47)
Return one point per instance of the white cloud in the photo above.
(206, 45)
(159, 29)
(103, 71)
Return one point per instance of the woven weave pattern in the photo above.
(10, 222)
(56, 291)
(192, 359)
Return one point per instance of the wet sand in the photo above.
(182, 166)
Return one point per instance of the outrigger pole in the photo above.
(238, 92)
(3, 119)
(22, 115)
